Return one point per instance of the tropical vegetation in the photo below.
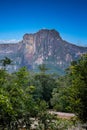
(26, 97)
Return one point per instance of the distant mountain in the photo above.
(45, 46)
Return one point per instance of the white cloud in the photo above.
(9, 41)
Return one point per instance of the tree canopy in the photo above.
(25, 95)
(78, 89)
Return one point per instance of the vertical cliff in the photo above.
(45, 46)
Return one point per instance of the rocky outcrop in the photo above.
(45, 46)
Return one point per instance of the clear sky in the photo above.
(69, 17)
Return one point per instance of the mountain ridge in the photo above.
(45, 46)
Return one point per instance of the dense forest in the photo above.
(27, 96)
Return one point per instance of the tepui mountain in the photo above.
(44, 47)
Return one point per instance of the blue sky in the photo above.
(69, 17)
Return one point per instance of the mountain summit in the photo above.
(45, 46)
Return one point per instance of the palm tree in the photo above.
(43, 68)
(6, 61)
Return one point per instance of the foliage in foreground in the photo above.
(20, 102)
(71, 92)
(25, 96)
(78, 89)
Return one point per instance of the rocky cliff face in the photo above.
(45, 46)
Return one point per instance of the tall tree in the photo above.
(78, 89)
(43, 68)
(6, 61)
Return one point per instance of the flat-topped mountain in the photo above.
(45, 46)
